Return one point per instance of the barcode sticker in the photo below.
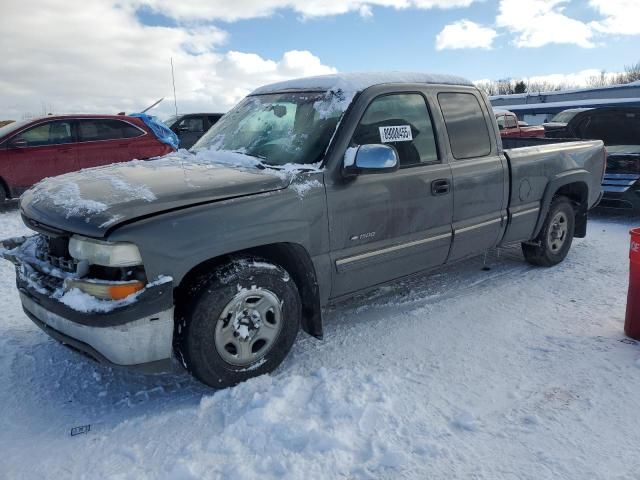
(397, 133)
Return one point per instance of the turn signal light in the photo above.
(105, 290)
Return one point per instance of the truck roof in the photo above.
(355, 82)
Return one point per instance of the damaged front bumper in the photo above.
(137, 334)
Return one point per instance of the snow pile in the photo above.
(512, 373)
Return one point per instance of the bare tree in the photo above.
(632, 72)
(600, 80)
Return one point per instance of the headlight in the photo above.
(107, 254)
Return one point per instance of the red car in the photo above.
(45, 147)
(510, 127)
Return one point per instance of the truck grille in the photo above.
(55, 252)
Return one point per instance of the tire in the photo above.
(240, 322)
(552, 244)
(3, 195)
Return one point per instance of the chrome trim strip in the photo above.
(395, 248)
(478, 225)
(525, 212)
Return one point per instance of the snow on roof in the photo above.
(600, 102)
(355, 82)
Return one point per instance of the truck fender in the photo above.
(564, 179)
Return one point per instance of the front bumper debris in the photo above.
(135, 334)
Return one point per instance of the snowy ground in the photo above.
(512, 373)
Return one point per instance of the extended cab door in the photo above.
(384, 226)
(480, 175)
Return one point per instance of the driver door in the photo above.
(388, 225)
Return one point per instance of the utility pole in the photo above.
(173, 80)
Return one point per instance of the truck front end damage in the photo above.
(94, 297)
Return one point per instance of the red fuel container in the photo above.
(632, 318)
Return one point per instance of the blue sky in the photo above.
(405, 40)
(108, 56)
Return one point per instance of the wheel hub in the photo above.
(557, 232)
(248, 326)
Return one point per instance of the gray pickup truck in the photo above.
(306, 192)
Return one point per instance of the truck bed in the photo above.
(533, 170)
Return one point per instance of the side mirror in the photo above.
(18, 143)
(373, 158)
(500, 127)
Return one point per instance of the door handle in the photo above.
(440, 187)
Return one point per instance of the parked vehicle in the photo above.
(619, 129)
(190, 127)
(341, 183)
(31, 150)
(510, 127)
(558, 123)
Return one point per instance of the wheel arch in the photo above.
(293, 257)
(575, 186)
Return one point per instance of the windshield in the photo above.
(278, 128)
(12, 127)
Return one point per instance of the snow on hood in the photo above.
(93, 200)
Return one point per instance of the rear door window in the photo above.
(50, 133)
(401, 120)
(105, 129)
(466, 125)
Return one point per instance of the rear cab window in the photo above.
(466, 125)
(192, 124)
(511, 122)
(401, 120)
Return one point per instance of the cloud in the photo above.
(193, 10)
(465, 34)
(100, 58)
(621, 17)
(536, 23)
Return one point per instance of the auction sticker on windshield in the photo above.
(398, 133)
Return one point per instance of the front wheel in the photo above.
(240, 322)
(552, 244)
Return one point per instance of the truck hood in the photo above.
(92, 201)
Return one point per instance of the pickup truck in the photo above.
(509, 126)
(308, 191)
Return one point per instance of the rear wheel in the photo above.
(552, 244)
(241, 322)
